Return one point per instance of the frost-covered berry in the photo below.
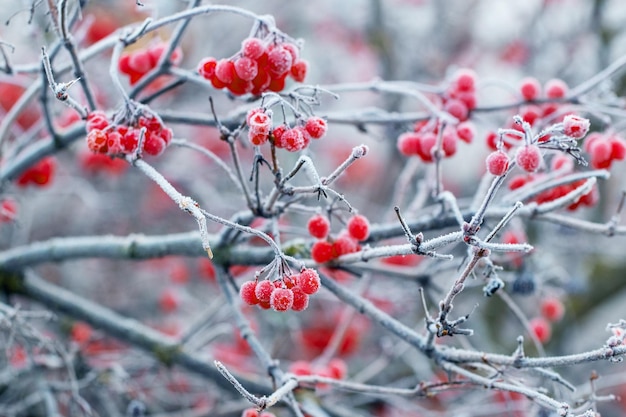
(497, 163)
(359, 227)
(457, 109)
(318, 226)
(408, 143)
(322, 251)
(309, 281)
(281, 299)
(247, 293)
(263, 290)
(225, 71)
(555, 88)
(575, 127)
(252, 48)
(530, 88)
(97, 141)
(294, 140)
(300, 299)
(246, 68)
(316, 127)
(528, 157)
(466, 131)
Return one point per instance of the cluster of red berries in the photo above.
(326, 249)
(604, 149)
(8, 210)
(293, 139)
(552, 311)
(458, 100)
(39, 174)
(261, 65)
(290, 292)
(336, 369)
(115, 140)
(563, 165)
(138, 63)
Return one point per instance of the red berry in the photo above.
(552, 309)
(531, 113)
(8, 210)
(492, 140)
(207, 66)
(337, 368)
(555, 88)
(465, 79)
(457, 109)
(359, 227)
(519, 181)
(618, 148)
(97, 141)
(528, 157)
(497, 163)
(466, 131)
(318, 226)
(261, 82)
(316, 127)
(260, 123)
(541, 329)
(575, 126)
(600, 151)
(281, 299)
(293, 50)
(277, 84)
(345, 244)
(140, 62)
(279, 60)
(250, 412)
(322, 251)
(530, 88)
(263, 290)
(449, 142)
(39, 174)
(81, 332)
(97, 120)
(426, 144)
(309, 281)
(225, 71)
(562, 162)
(298, 70)
(257, 138)
(300, 299)
(247, 293)
(153, 145)
(168, 301)
(294, 140)
(408, 143)
(246, 68)
(277, 133)
(130, 140)
(301, 368)
(252, 48)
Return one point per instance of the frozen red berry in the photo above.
(8, 210)
(552, 309)
(279, 61)
(555, 88)
(344, 244)
(281, 299)
(457, 109)
(359, 227)
(294, 140)
(318, 226)
(530, 88)
(225, 71)
(252, 48)
(541, 329)
(153, 145)
(97, 120)
(263, 290)
(248, 294)
(316, 127)
(618, 147)
(497, 163)
(600, 151)
(81, 332)
(298, 70)
(408, 143)
(528, 157)
(246, 68)
(300, 299)
(575, 126)
(337, 368)
(466, 131)
(97, 141)
(260, 123)
(322, 251)
(309, 281)
(465, 79)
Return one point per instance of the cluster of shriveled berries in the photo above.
(261, 65)
(40, 174)
(562, 165)
(603, 149)
(105, 138)
(138, 63)
(552, 311)
(326, 249)
(8, 210)
(290, 292)
(293, 139)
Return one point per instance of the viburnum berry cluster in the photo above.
(292, 139)
(328, 248)
(104, 137)
(40, 174)
(290, 292)
(138, 63)
(458, 100)
(260, 65)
